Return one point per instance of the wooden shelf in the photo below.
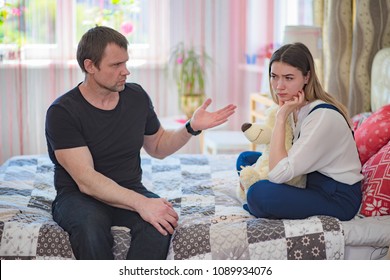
(259, 103)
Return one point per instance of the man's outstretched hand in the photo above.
(202, 119)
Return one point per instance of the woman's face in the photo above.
(286, 80)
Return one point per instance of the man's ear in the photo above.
(89, 66)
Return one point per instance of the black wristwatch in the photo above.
(190, 130)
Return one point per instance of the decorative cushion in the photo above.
(376, 184)
(373, 133)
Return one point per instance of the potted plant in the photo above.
(188, 67)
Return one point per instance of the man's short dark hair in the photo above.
(94, 42)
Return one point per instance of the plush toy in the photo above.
(261, 134)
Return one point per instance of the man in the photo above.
(94, 134)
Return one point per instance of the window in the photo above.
(19, 18)
(266, 22)
(291, 12)
(125, 16)
(261, 23)
(50, 29)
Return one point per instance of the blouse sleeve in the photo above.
(320, 133)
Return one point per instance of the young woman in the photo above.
(323, 147)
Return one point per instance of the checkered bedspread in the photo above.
(213, 224)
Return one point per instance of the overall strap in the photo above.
(324, 105)
(327, 106)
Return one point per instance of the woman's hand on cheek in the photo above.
(297, 100)
(289, 106)
(294, 103)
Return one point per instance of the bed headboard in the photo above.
(380, 79)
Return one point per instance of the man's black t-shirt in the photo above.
(114, 137)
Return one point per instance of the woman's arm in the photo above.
(277, 145)
(325, 144)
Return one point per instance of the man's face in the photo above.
(112, 71)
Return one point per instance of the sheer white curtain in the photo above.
(35, 72)
(221, 27)
(30, 86)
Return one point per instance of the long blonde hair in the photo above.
(299, 56)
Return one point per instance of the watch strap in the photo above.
(190, 130)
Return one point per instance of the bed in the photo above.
(213, 224)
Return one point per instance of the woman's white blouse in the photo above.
(325, 144)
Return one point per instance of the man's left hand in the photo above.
(202, 119)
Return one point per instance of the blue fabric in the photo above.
(324, 105)
(247, 158)
(322, 196)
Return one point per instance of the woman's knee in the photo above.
(259, 189)
(257, 198)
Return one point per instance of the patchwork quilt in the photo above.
(212, 225)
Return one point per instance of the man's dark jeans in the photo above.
(88, 222)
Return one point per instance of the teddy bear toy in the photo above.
(260, 133)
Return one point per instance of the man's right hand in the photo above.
(160, 214)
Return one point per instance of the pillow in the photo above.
(376, 184)
(373, 133)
